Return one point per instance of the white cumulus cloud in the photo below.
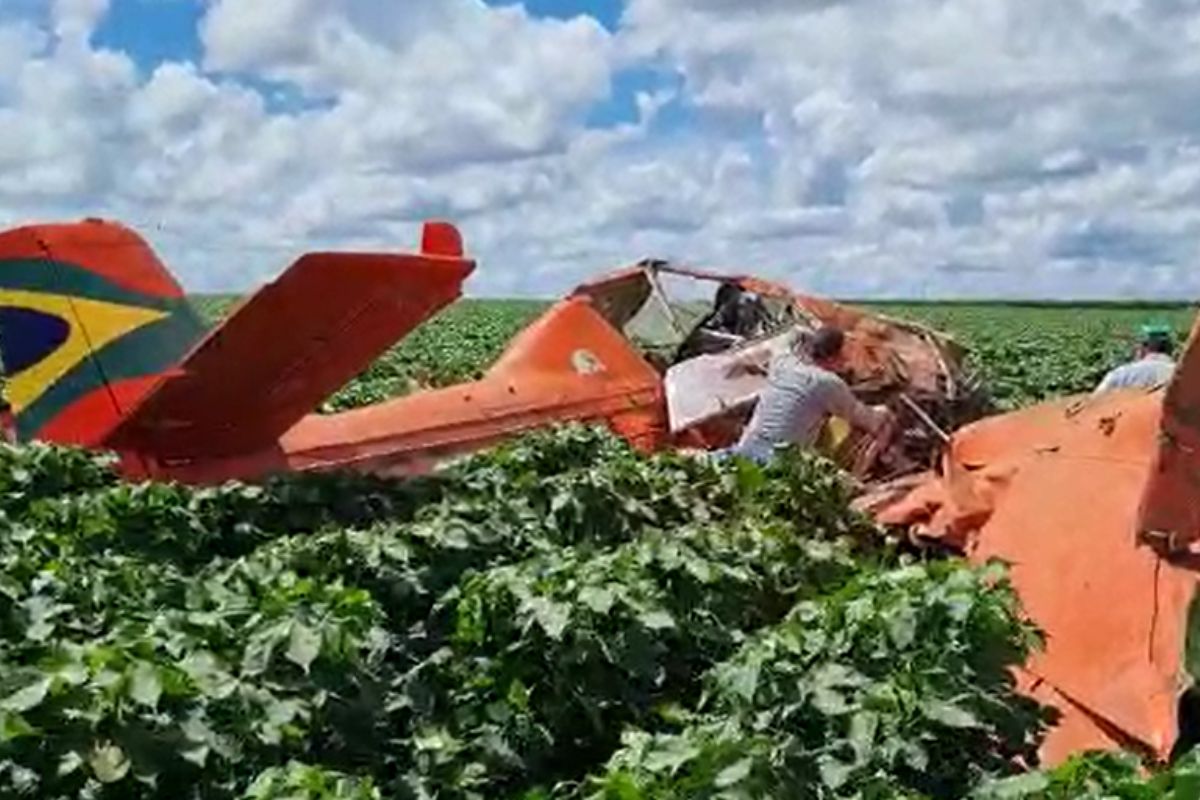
(853, 147)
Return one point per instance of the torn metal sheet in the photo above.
(711, 386)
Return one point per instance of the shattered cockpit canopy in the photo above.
(666, 311)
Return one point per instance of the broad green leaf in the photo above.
(260, 650)
(109, 763)
(670, 755)
(734, 774)
(834, 773)
(69, 764)
(196, 754)
(145, 687)
(208, 675)
(742, 680)
(11, 588)
(518, 695)
(13, 726)
(915, 756)
(657, 620)
(25, 781)
(1018, 786)
(863, 726)
(71, 674)
(434, 740)
(304, 645)
(902, 625)
(28, 698)
(950, 715)
(551, 617)
(41, 610)
(829, 701)
(598, 600)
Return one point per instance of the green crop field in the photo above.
(559, 618)
(1030, 353)
(1025, 353)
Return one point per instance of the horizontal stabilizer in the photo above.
(292, 345)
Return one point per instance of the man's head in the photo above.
(1155, 339)
(825, 346)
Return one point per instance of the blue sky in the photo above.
(155, 31)
(152, 31)
(851, 147)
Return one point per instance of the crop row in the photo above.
(1024, 353)
(1030, 353)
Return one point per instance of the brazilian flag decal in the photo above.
(67, 332)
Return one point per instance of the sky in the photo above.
(853, 148)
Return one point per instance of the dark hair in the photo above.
(826, 343)
(1159, 343)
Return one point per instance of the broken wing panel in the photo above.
(569, 365)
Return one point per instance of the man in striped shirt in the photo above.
(803, 391)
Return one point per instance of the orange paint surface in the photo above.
(1056, 491)
(106, 248)
(570, 365)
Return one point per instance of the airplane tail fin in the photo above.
(90, 322)
(572, 339)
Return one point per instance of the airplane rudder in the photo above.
(573, 337)
(85, 307)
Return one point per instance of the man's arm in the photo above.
(844, 404)
(752, 362)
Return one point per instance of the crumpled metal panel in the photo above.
(709, 386)
(1054, 491)
(1169, 518)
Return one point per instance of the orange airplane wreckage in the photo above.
(1095, 501)
(102, 350)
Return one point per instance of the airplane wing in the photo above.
(290, 346)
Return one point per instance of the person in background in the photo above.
(1153, 363)
(803, 391)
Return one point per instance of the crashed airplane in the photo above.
(1095, 501)
(104, 351)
